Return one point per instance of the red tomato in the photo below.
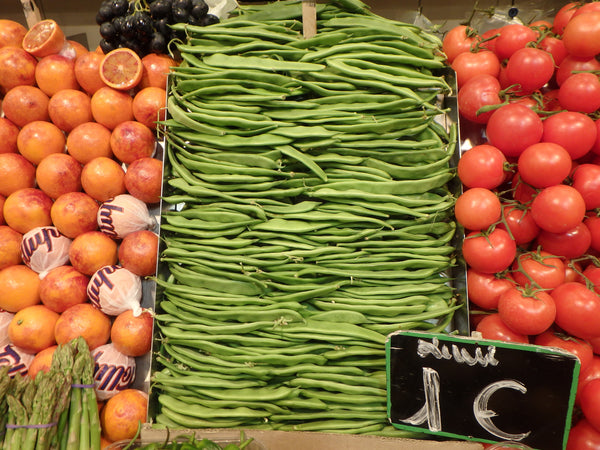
(513, 127)
(573, 271)
(503, 79)
(580, 92)
(513, 37)
(563, 15)
(596, 146)
(544, 164)
(540, 26)
(488, 39)
(586, 179)
(458, 40)
(571, 244)
(520, 222)
(574, 131)
(583, 436)
(470, 64)
(595, 343)
(592, 273)
(530, 68)
(522, 192)
(589, 401)
(492, 327)
(582, 34)
(572, 64)
(589, 373)
(579, 347)
(577, 310)
(555, 47)
(526, 100)
(587, 7)
(477, 209)
(592, 222)
(489, 254)
(526, 314)
(482, 166)
(484, 289)
(558, 208)
(481, 90)
(543, 269)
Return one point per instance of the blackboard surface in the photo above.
(482, 390)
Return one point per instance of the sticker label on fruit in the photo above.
(482, 390)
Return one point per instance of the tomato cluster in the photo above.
(529, 100)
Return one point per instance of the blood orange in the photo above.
(132, 335)
(8, 136)
(25, 104)
(44, 38)
(17, 68)
(32, 328)
(121, 69)
(83, 320)
(87, 71)
(11, 33)
(156, 70)
(123, 413)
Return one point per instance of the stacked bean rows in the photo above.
(309, 215)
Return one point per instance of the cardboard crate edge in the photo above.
(311, 440)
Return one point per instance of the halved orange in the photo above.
(121, 69)
(44, 38)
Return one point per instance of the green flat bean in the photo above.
(277, 11)
(366, 311)
(376, 381)
(243, 33)
(335, 426)
(340, 414)
(185, 421)
(268, 408)
(334, 386)
(255, 62)
(391, 63)
(245, 313)
(340, 315)
(353, 351)
(194, 278)
(207, 382)
(386, 40)
(209, 214)
(232, 141)
(183, 118)
(303, 158)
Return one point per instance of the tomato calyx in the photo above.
(529, 290)
(507, 95)
(532, 286)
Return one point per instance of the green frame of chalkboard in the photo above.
(459, 339)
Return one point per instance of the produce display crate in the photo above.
(457, 275)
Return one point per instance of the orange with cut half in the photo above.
(44, 38)
(121, 69)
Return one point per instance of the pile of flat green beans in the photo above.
(308, 215)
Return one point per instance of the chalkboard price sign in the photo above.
(481, 390)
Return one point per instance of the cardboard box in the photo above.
(297, 440)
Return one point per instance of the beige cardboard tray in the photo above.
(304, 440)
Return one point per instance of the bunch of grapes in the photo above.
(144, 26)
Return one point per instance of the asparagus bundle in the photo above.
(45, 412)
